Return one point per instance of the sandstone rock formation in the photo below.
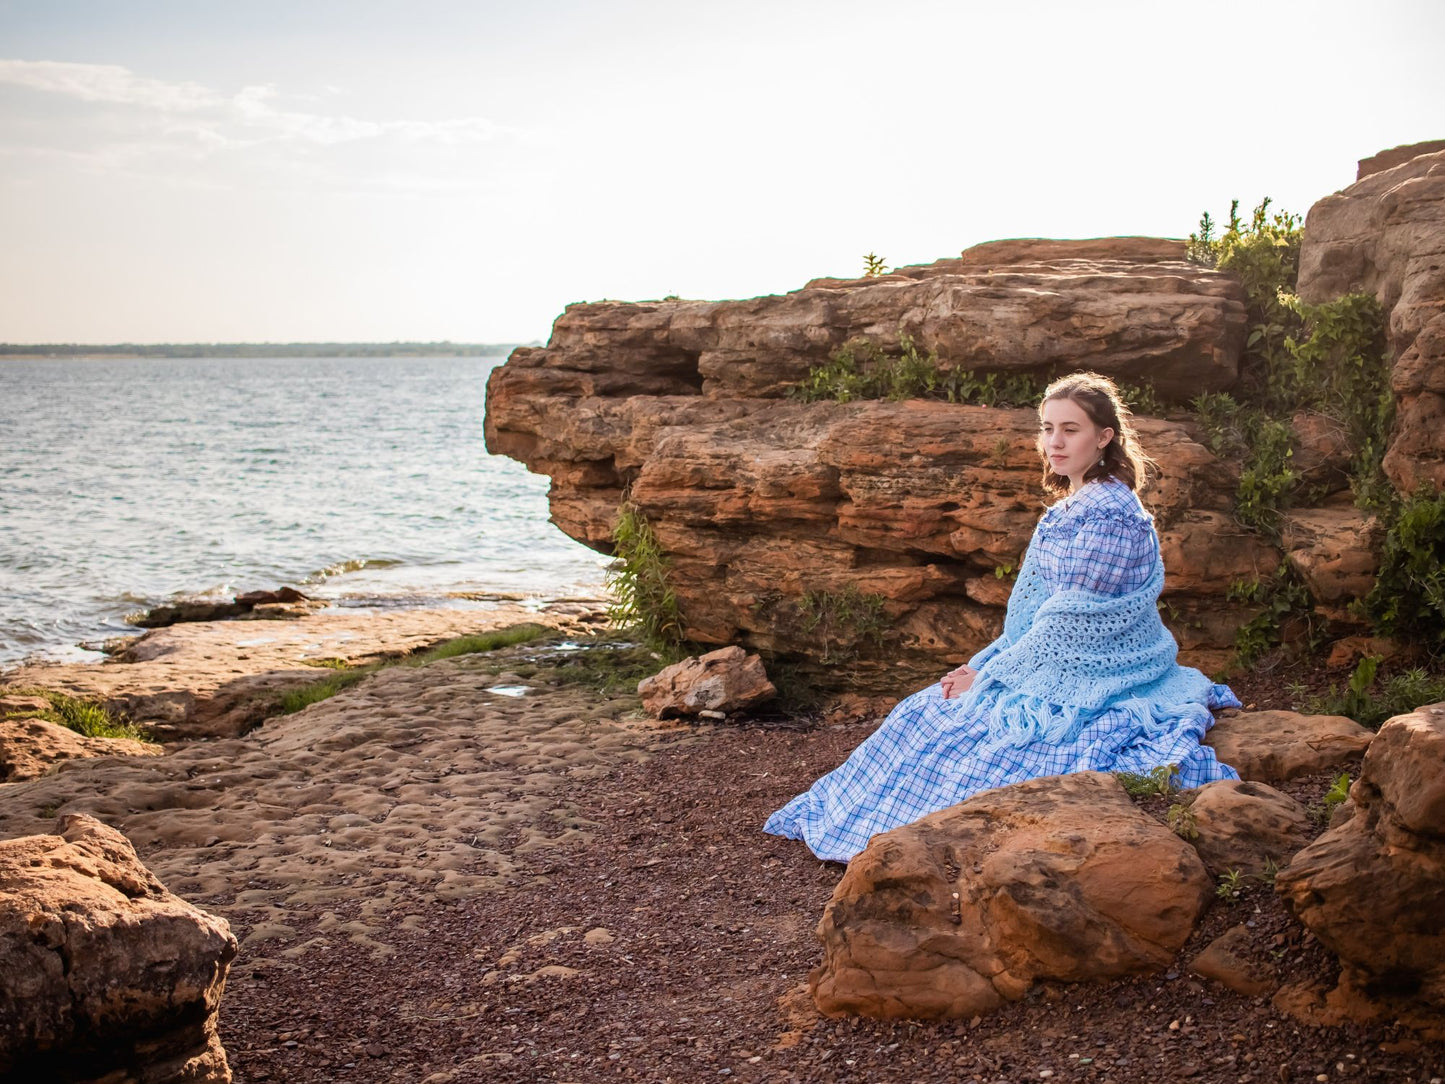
(760, 501)
(1245, 826)
(1059, 878)
(725, 680)
(104, 975)
(1276, 746)
(218, 679)
(1372, 888)
(924, 506)
(1384, 235)
(31, 747)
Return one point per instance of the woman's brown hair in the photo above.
(1121, 458)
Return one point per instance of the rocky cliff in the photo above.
(884, 534)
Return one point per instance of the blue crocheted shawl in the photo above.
(1068, 655)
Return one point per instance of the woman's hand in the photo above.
(957, 682)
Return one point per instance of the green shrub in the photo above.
(643, 603)
(1281, 598)
(1408, 600)
(1370, 701)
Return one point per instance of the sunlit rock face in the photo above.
(775, 513)
(1384, 235)
(763, 503)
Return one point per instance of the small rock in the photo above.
(728, 679)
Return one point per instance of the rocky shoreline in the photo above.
(432, 879)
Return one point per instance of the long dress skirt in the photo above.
(930, 753)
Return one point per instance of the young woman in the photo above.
(1084, 677)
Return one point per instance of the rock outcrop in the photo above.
(31, 747)
(924, 507)
(1276, 746)
(104, 975)
(1385, 235)
(721, 681)
(1372, 888)
(1059, 878)
(761, 502)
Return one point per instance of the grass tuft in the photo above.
(88, 717)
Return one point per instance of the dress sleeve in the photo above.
(1108, 555)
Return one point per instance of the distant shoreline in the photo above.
(81, 351)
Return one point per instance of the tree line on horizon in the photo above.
(445, 348)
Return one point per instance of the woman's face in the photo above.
(1070, 439)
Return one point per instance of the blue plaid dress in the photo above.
(931, 752)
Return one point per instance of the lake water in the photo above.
(128, 483)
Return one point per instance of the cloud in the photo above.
(252, 115)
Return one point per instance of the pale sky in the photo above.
(301, 170)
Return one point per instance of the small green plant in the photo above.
(1231, 886)
(643, 601)
(1336, 796)
(991, 389)
(1268, 874)
(1370, 701)
(88, 717)
(843, 622)
(327, 663)
(1339, 791)
(1181, 821)
(874, 266)
(1141, 398)
(861, 369)
(1158, 781)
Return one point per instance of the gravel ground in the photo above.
(675, 944)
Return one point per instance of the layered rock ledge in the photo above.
(772, 510)
(761, 502)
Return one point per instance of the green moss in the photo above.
(292, 700)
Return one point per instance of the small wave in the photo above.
(355, 564)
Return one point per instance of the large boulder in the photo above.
(1058, 878)
(1372, 889)
(104, 975)
(1277, 746)
(1383, 235)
